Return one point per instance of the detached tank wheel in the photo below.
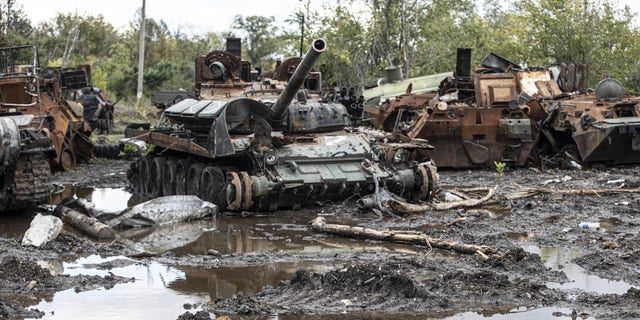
(145, 175)
(169, 177)
(182, 169)
(213, 186)
(193, 179)
(68, 160)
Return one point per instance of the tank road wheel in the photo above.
(169, 177)
(421, 188)
(193, 179)
(239, 191)
(182, 168)
(144, 169)
(155, 175)
(213, 186)
(68, 160)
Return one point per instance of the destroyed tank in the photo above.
(262, 152)
(470, 121)
(26, 146)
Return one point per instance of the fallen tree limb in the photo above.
(84, 223)
(319, 225)
(525, 192)
(408, 208)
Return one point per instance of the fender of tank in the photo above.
(260, 154)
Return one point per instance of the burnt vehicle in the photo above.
(471, 121)
(279, 151)
(600, 126)
(27, 146)
(28, 92)
(77, 88)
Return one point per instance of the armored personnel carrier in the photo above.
(600, 126)
(265, 152)
(470, 121)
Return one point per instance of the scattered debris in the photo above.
(408, 208)
(164, 210)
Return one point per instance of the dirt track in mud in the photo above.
(413, 282)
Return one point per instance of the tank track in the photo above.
(32, 180)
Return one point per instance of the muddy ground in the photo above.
(416, 282)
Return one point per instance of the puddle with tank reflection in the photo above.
(160, 290)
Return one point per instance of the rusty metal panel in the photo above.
(495, 90)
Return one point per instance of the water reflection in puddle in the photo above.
(146, 298)
(160, 291)
(560, 259)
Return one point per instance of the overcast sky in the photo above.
(188, 16)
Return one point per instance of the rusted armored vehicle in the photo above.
(471, 121)
(77, 88)
(27, 92)
(600, 126)
(26, 146)
(278, 151)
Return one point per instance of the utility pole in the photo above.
(141, 57)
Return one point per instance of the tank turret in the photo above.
(297, 79)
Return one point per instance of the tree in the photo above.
(594, 32)
(15, 27)
(261, 41)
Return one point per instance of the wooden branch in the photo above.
(319, 225)
(84, 223)
(525, 192)
(403, 207)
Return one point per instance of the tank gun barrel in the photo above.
(297, 79)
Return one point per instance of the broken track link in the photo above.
(32, 181)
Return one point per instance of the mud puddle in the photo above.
(159, 291)
(164, 286)
(560, 259)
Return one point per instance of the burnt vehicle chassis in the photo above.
(470, 121)
(248, 154)
(508, 114)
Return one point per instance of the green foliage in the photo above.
(15, 27)
(260, 41)
(421, 36)
(128, 152)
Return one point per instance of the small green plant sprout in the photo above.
(500, 168)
